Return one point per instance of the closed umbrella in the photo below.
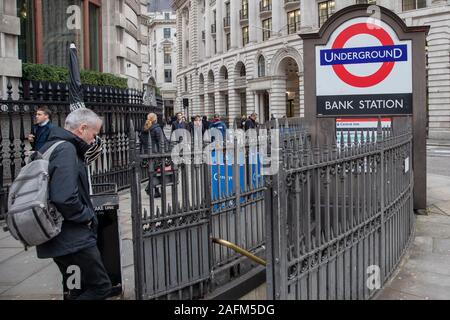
(75, 90)
(76, 102)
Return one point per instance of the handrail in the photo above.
(238, 249)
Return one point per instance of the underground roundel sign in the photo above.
(364, 69)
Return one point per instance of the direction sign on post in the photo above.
(364, 69)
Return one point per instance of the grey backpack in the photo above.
(31, 218)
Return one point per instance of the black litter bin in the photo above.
(106, 206)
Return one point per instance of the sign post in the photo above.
(361, 66)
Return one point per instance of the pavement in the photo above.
(424, 272)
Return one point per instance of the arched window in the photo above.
(261, 66)
(242, 71)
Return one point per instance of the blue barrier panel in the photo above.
(218, 176)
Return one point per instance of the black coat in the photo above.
(250, 124)
(41, 134)
(69, 192)
(157, 139)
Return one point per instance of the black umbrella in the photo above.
(75, 90)
(76, 99)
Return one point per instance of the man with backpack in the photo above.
(76, 244)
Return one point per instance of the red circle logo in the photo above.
(381, 73)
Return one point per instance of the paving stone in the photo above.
(45, 282)
(20, 267)
(127, 253)
(3, 289)
(440, 219)
(10, 242)
(429, 285)
(436, 180)
(6, 253)
(436, 229)
(128, 283)
(429, 262)
(423, 244)
(391, 294)
(441, 193)
(442, 246)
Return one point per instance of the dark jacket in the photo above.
(69, 192)
(178, 125)
(250, 124)
(41, 134)
(157, 139)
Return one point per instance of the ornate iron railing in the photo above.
(339, 217)
(117, 107)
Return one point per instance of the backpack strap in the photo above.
(48, 153)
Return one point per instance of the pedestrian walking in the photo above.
(251, 122)
(218, 124)
(158, 141)
(76, 244)
(41, 129)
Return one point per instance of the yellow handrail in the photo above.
(244, 252)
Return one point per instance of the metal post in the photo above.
(136, 215)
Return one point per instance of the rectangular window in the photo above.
(293, 19)
(26, 40)
(56, 36)
(366, 1)
(267, 28)
(94, 26)
(228, 41)
(244, 10)
(167, 55)
(167, 15)
(168, 75)
(326, 9)
(245, 36)
(413, 4)
(266, 5)
(166, 33)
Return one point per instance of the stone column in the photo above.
(219, 26)
(195, 94)
(179, 39)
(11, 66)
(234, 24)
(253, 20)
(301, 111)
(208, 39)
(308, 14)
(278, 19)
(220, 102)
(194, 32)
(278, 97)
(234, 102)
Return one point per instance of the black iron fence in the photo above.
(116, 106)
(339, 217)
(215, 194)
(331, 223)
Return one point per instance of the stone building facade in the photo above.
(111, 36)
(162, 53)
(241, 56)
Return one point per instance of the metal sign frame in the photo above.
(323, 128)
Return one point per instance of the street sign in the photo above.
(357, 129)
(364, 69)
